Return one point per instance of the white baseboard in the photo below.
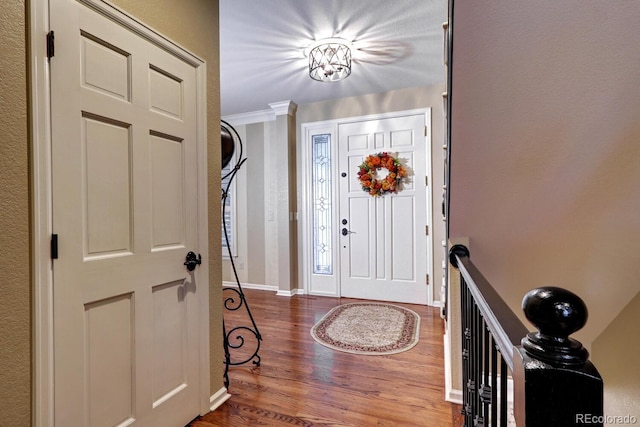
(257, 286)
(261, 287)
(324, 294)
(454, 396)
(290, 293)
(218, 398)
(451, 394)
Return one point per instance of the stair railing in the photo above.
(554, 383)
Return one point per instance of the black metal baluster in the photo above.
(468, 336)
(494, 384)
(471, 410)
(472, 364)
(485, 390)
(466, 353)
(465, 348)
(503, 392)
(477, 378)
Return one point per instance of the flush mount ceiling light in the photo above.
(330, 60)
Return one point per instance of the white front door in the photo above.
(125, 179)
(383, 241)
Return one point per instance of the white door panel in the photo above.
(384, 254)
(125, 209)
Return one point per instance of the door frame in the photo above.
(332, 286)
(41, 201)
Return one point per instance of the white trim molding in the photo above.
(291, 293)
(249, 118)
(284, 108)
(42, 269)
(323, 285)
(203, 234)
(268, 115)
(268, 288)
(256, 286)
(218, 398)
(451, 394)
(454, 396)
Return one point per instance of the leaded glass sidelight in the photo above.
(321, 193)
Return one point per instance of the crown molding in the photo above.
(251, 117)
(281, 108)
(284, 108)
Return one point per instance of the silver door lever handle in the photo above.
(345, 232)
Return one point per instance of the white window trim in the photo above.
(233, 207)
(317, 284)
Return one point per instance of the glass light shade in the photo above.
(330, 61)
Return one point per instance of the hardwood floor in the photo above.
(301, 383)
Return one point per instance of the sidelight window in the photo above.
(321, 194)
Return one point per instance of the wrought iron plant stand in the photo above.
(234, 298)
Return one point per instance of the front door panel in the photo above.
(383, 245)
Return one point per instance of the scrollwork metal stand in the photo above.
(234, 338)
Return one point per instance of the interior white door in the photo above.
(383, 241)
(124, 165)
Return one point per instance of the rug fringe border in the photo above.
(368, 353)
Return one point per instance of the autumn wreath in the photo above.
(377, 184)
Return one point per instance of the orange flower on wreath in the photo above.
(368, 172)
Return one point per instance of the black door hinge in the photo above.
(50, 44)
(54, 246)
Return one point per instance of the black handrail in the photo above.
(504, 325)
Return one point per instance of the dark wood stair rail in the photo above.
(554, 383)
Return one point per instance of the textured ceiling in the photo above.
(397, 44)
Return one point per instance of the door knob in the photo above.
(192, 262)
(345, 232)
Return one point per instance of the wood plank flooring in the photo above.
(301, 383)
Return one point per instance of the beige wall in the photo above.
(292, 197)
(257, 261)
(239, 201)
(256, 186)
(252, 196)
(194, 25)
(545, 153)
(615, 353)
(453, 330)
(15, 285)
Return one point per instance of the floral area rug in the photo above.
(368, 328)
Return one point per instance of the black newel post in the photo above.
(554, 382)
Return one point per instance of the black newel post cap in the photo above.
(556, 313)
(460, 250)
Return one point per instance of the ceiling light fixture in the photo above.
(330, 60)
